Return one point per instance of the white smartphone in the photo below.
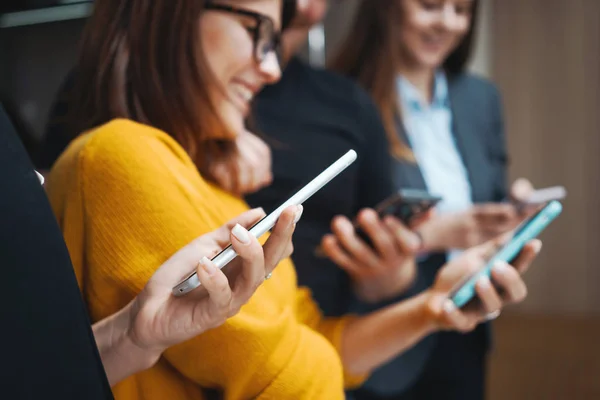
(267, 223)
(543, 196)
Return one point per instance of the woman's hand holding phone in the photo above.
(384, 270)
(508, 286)
(134, 338)
(469, 228)
(478, 224)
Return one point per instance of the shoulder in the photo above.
(124, 154)
(128, 147)
(122, 139)
(335, 88)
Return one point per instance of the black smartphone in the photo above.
(406, 205)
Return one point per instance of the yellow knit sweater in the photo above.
(127, 197)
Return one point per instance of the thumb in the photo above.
(521, 189)
(435, 306)
(407, 240)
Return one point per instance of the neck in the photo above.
(421, 78)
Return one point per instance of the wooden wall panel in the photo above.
(546, 61)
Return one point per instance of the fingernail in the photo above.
(484, 282)
(299, 210)
(501, 267)
(208, 266)
(537, 246)
(449, 306)
(241, 234)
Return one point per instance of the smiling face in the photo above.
(230, 49)
(432, 29)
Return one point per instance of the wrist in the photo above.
(430, 240)
(148, 354)
(121, 354)
(428, 312)
(385, 287)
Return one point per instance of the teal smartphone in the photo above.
(525, 232)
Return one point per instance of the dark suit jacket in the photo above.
(479, 133)
(49, 349)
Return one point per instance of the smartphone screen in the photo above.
(508, 250)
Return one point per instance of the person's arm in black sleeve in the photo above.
(48, 345)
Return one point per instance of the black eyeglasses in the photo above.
(264, 36)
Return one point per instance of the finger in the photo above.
(335, 253)
(281, 236)
(259, 144)
(454, 319)
(257, 157)
(509, 280)
(488, 249)
(353, 245)
(223, 176)
(500, 225)
(181, 264)
(407, 240)
(490, 300)
(246, 219)
(379, 234)
(489, 230)
(420, 219)
(289, 250)
(217, 286)
(250, 252)
(494, 213)
(521, 189)
(529, 253)
(245, 171)
(460, 269)
(253, 158)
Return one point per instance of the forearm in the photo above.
(121, 357)
(372, 340)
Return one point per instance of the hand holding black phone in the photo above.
(406, 205)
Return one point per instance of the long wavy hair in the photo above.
(371, 56)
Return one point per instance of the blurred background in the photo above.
(545, 57)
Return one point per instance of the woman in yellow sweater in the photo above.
(171, 83)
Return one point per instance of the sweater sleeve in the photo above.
(145, 200)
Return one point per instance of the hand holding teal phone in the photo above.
(527, 231)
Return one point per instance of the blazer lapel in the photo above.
(464, 129)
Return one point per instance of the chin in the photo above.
(431, 62)
(233, 121)
(234, 128)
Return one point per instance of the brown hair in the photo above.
(139, 60)
(370, 55)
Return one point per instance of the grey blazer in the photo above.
(479, 133)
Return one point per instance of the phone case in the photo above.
(528, 230)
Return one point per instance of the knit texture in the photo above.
(127, 197)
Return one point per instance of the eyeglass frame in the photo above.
(260, 19)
